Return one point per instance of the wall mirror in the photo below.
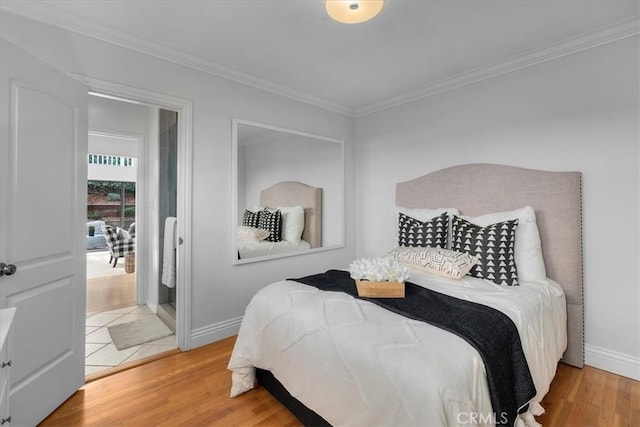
(286, 177)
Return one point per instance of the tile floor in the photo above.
(101, 353)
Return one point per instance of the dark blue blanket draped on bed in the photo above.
(492, 333)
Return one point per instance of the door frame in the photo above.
(184, 109)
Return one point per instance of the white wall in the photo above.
(118, 117)
(220, 290)
(113, 145)
(580, 113)
(118, 125)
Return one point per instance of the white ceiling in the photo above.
(412, 49)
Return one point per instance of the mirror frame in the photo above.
(234, 192)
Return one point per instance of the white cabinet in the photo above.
(6, 320)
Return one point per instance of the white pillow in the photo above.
(528, 249)
(442, 262)
(252, 234)
(123, 234)
(423, 215)
(292, 222)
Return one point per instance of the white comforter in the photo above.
(256, 249)
(357, 364)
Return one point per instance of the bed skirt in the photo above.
(307, 417)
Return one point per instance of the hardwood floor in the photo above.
(192, 389)
(591, 397)
(110, 292)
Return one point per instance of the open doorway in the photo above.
(125, 162)
(111, 203)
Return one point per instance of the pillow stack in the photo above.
(284, 223)
(502, 247)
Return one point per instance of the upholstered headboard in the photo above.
(556, 197)
(290, 193)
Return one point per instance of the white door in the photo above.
(43, 172)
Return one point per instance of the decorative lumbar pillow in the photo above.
(414, 233)
(528, 250)
(492, 245)
(251, 219)
(252, 234)
(271, 221)
(439, 261)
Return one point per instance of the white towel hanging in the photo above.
(169, 252)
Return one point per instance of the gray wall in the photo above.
(220, 290)
(579, 112)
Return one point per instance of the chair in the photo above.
(118, 243)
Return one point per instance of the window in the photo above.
(113, 202)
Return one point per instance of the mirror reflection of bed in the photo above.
(288, 218)
(274, 168)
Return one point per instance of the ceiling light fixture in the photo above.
(352, 11)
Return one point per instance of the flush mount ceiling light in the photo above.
(352, 11)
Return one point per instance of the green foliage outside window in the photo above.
(105, 187)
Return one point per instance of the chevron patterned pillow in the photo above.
(414, 233)
(492, 245)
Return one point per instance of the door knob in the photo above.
(7, 269)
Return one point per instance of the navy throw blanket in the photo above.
(489, 331)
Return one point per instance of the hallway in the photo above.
(111, 300)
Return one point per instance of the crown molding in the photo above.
(275, 136)
(622, 30)
(51, 15)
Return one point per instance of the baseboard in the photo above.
(215, 332)
(618, 363)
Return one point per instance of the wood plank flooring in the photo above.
(192, 389)
(591, 397)
(110, 292)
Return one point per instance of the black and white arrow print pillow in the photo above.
(493, 246)
(251, 219)
(415, 233)
(271, 221)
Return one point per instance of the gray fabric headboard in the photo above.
(556, 197)
(290, 193)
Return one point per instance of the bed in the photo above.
(333, 359)
(286, 196)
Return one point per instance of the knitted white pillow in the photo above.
(252, 234)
